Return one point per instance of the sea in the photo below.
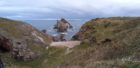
(49, 24)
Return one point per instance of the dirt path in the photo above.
(69, 44)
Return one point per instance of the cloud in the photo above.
(68, 8)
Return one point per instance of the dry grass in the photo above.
(124, 36)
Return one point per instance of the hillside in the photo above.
(21, 45)
(110, 42)
(106, 43)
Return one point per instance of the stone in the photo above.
(5, 44)
(44, 31)
(60, 37)
(75, 37)
(30, 56)
(55, 38)
(22, 52)
(107, 40)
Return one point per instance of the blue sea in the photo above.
(49, 24)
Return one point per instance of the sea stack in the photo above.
(62, 25)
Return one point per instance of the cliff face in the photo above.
(107, 43)
(23, 41)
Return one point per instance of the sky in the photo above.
(70, 9)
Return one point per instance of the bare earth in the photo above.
(69, 44)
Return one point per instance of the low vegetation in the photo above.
(107, 43)
(23, 34)
(131, 65)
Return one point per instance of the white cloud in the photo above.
(68, 7)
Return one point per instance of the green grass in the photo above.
(131, 65)
(124, 36)
(12, 63)
(55, 56)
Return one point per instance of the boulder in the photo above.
(44, 31)
(60, 37)
(22, 52)
(75, 37)
(55, 38)
(5, 44)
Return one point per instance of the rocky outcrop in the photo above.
(5, 44)
(21, 40)
(22, 52)
(62, 25)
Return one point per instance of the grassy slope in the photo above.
(97, 52)
(19, 31)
